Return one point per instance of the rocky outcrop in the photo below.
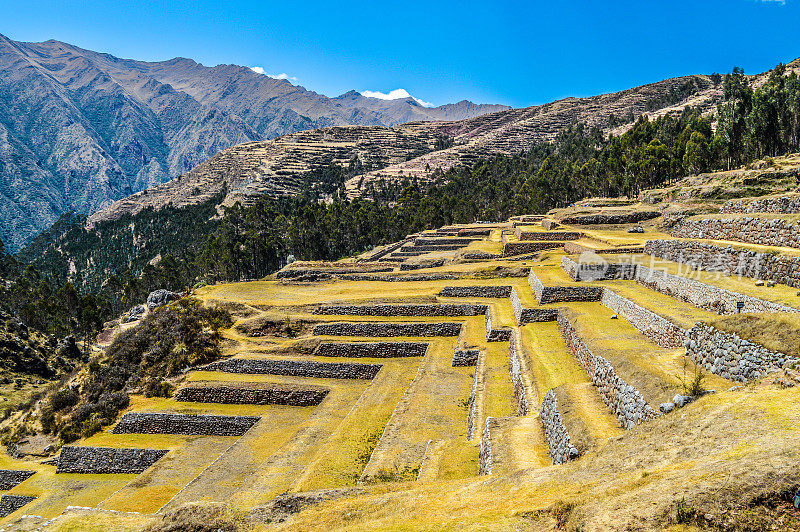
(704, 295)
(379, 329)
(296, 368)
(371, 349)
(252, 395)
(659, 329)
(555, 432)
(160, 297)
(784, 269)
(106, 460)
(9, 478)
(136, 313)
(434, 309)
(192, 425)
(731, 357)
(624, 401)
(11, 503)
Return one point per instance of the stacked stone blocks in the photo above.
(296, 368)
(555, 432)
(659, 329)
(731, 357)
(252, 395)
(376, 329)
(106, 460)
(10, 478)
(422, 310)
(11, 503)
(191, 425)
(625, 401)
(781, 268)
(371, 349)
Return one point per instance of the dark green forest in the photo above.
(72, 278)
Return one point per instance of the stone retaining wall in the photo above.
(465, 356)
(731, 357)
(252, 395)
(422, 310)
(778, 204)
(765, 232)
(781, 268)
(549, 224)
(610, 218)
(520, 248)
(703, 295)
(485, 451)
(385, 251)
(492, 334)
(555, 432)
(625, 401)
(441, 247)
(10, 478)
(371, 349)
(576, 249)
(443, 241)
(515, 369)
(477, 382)
(378, 329)
(484, 231)
(11, 503)
(296, 368)
(521, 234)
(476, 291)
(413, 278)
(406, 266)
(598, 272)
(106, 460)
(555, 294)
(190, 425)
(659, 329)
(530, 315)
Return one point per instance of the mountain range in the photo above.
(417, 149)
(81, 129)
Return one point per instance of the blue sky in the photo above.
(512, 52)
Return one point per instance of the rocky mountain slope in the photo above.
(81, 129)
(411, 149)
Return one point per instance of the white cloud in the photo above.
(394, 95)
(283, 75)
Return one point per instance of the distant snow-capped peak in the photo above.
(396, 94)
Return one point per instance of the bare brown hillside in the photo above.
(278, 166)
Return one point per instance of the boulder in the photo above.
(68, 348)
(666, 408)
(682, 400)
(636, 229)
(136, 313)
(160, 297)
